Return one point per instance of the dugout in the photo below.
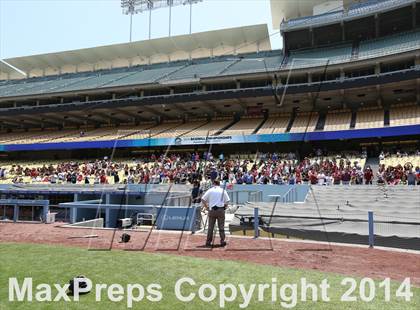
(162, 217)
(24, 210)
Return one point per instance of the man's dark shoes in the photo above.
(208, 245)
(223, 244)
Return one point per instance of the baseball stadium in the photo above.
(262, 166)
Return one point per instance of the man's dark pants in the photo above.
(214, 215)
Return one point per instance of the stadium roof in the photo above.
(287, 9)
(197, 45)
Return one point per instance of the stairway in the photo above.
(321, 121)
(373, 162)
(260, 125)
(355, 51)
(292, 120)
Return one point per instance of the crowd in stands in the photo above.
(397, 168)
(201, 169)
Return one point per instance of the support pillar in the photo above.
(15, 213)
(45, 211)
(256, 223)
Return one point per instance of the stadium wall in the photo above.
(268, 190)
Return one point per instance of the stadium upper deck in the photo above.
(194, 72)
(354, 11)
(220, 83)
(359, 22)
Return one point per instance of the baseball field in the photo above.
(191, 277)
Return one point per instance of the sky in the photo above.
(29, 27)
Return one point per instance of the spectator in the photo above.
(368, 175)
(195, 193)
(411, 178)
(186, 169)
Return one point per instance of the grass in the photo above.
(54, 264)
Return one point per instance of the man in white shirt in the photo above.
(215, 200)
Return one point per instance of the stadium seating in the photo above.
(89, 135)
(393, 160)
(139, 75)
(39, 87)
(337, 15)
(251, 161)
(211, 128)
(182, 129)
(43, 136)
(405, 115)
(369, 118)
(275, 124)
(373, 6)
(398, 43)
(353, 158)
(245, 126)
(313, 20)
(352, 161)
(254, 65)
(210, 67)
(319, 57)
(304, 122)
(144, 76)
(146, 130)
(16, 137)
(200, 70)
(339, 120)
(156, 130)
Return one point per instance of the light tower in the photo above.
(131, 7)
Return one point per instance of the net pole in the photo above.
(256, 222)
(190, 16)
(150, 24)
(371, 232)
(170, 18)
(131, 26)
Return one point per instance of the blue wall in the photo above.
(271, 138)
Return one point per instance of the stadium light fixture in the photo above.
(131, 7)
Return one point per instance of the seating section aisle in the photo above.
(304, 122)
(275, 124)
(245, 126)
(182, 129)
(211, 128)
(254, 65)
(200, 70)
(154, 131)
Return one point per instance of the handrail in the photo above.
(251, 193)
(290, 196)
